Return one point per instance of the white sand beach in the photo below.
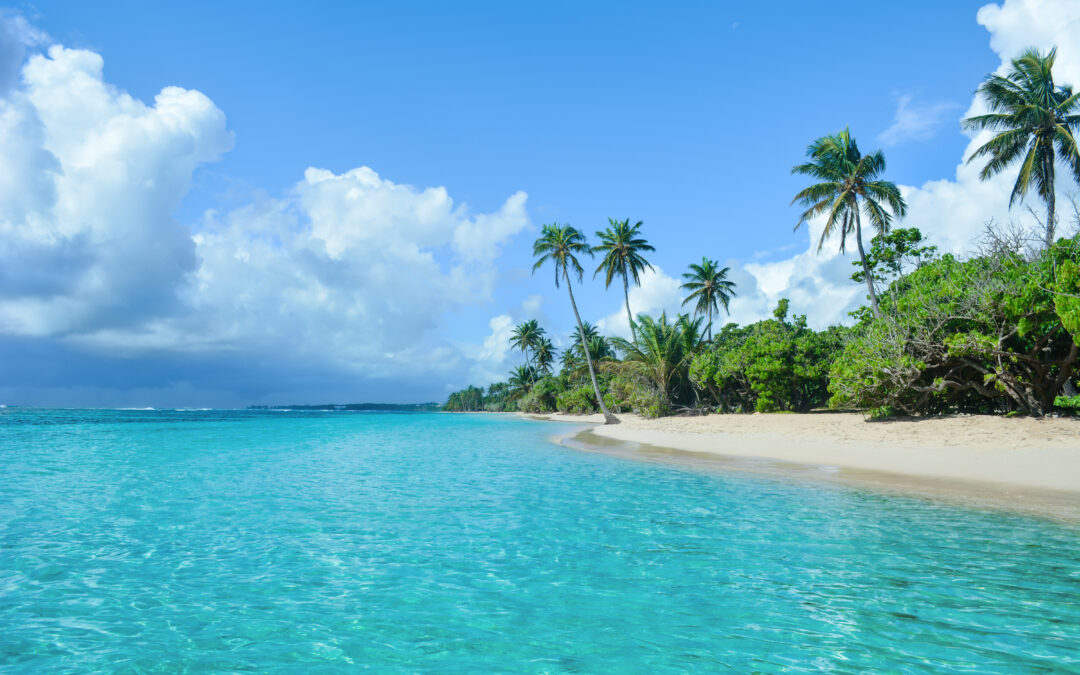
(1041, 454)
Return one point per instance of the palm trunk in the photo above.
(629, 316)
(866, 268)
(708, 316)
(1051, 198)
(608, 417)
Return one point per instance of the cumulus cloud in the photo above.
(657, 293)
(491, 360)
(16, 37)
(89, 180)
(350, 273)
(916, 121)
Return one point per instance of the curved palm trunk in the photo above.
(626, 295)
(608, 417)
(866, 267)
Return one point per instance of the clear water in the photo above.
(208, 541)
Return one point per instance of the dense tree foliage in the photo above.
(987, 334)
(772, 365)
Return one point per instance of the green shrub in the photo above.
(542, 397)
(989, 334)
(1068, 404)
(650, 402)
(580, 401)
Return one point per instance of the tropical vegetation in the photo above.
(994, 332)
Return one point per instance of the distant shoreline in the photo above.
(1019, 463)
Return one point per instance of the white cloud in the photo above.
(351, 272)
(494, 357)
(657, 293)
(915, 121)
(88, 182)
(16, 36)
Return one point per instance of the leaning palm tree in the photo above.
(709, 288)
(1035, 119)
(849, 185)
(525, 337)
(622, 248)
(560, 245)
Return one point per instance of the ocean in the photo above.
(275, 541)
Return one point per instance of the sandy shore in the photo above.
(1016, 457)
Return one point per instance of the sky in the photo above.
(223, 204)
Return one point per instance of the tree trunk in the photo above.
(1050, 203)
(708, 317)
(629, 316)
(866, 268)
(608, 417)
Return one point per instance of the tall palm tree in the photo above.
(709, 287)
(849, 185)
(560, 245)
(1036, 119)
(525, 337)
(622, 248)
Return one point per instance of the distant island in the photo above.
(380, 407)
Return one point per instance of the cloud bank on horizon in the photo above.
(344, 278)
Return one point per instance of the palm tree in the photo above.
(590, 334)
(709, 286)
(544, 352)
(522, 379)
(690, 333)
(849, 185)
(622, 249)
(1035, 119)
(660, 351)
(525, 337)
(560, 245)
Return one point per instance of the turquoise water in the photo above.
(294, 542)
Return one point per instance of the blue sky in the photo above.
(688, 118)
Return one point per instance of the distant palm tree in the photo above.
(622, 249)
(544, 352)
(560, 245)
(709, 287)
(591, 333)
(848, 186)
(1035, 119)
(522, 379)
(525, 337)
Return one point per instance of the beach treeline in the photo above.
(995, 332)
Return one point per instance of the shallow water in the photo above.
(135, 541)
